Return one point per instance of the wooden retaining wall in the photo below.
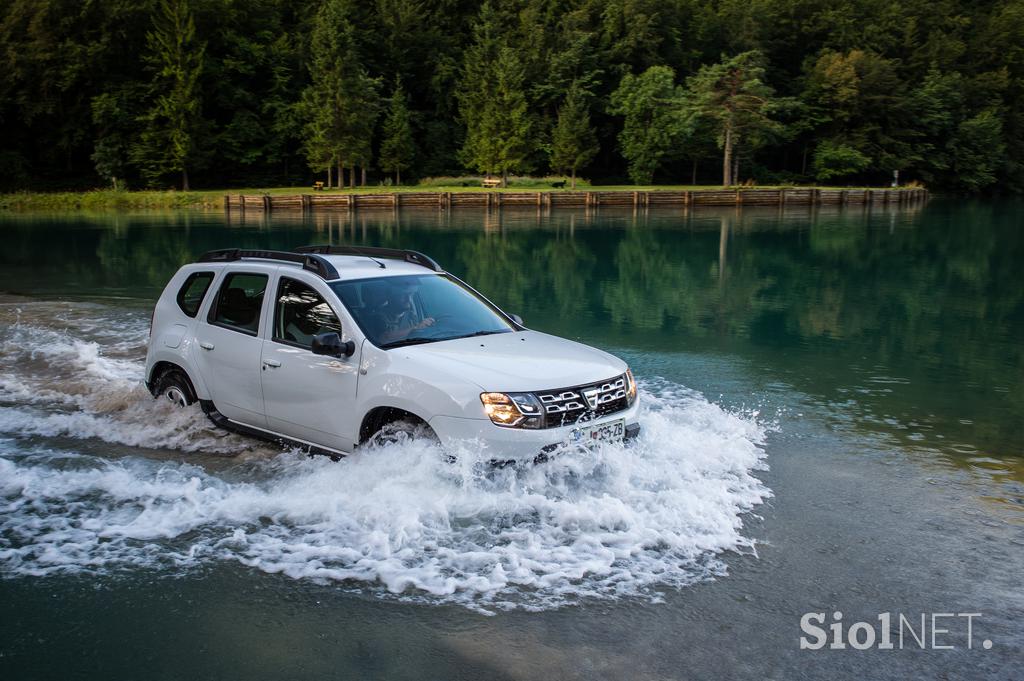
(559, 199)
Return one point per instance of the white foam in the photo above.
(609, 523)
(397, 520)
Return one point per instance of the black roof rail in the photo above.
(414, 257)
(309, 261)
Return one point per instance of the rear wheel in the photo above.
(175, 388)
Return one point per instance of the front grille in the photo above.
(584, 402)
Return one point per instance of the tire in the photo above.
(402, 430)
(175, 388)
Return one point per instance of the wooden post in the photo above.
(394, 200)
(227, 203)
(686, 197)
(307, 203)
(782, 197)
(266, 203)
(241, 203)
(636, 198)
(739, 197)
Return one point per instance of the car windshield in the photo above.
(421, 308)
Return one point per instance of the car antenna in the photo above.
(367, 255)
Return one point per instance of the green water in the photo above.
(881, 349)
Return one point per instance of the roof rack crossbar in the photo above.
(414, 257)
(309, 261)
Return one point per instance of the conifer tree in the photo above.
(492, 102)
(340, 105)
(397, 148)
(573, 143)
(734, 98)
(168, 142)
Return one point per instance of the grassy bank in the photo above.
(214, 198)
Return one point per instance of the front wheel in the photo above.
(400, 431)
(174, 388)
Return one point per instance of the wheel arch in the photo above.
(378, 417)
(161, 369)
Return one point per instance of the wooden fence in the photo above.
(577, 199)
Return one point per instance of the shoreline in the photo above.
(305, 199)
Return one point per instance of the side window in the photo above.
(192, 292)
(239, 302)
(301, 313)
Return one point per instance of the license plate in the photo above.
(613, 431)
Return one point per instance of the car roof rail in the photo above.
(309, 261)
(414, 257)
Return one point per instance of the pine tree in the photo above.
(492, 102)
(573, 144)
(168, 142)
(397, 148)
(733, 96)
(340, 106)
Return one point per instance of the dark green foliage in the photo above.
(573, 144)
(651, 107)
(397, 147)
(140, 92)
(492, 101)
(170, 126)
(733, 101)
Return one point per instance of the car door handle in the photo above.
(206, 345)
(271, 363)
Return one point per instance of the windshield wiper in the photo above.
(474, 334)
(409, 341)
(435, 339)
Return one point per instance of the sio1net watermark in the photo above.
(892, 631)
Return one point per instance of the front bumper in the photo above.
(517, 444)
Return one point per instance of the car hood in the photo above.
(518, 362)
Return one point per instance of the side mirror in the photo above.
(517, 319)
(330, 344)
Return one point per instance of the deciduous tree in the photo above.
(651, 107)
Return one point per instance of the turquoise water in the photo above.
(835, 421)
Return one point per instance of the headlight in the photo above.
(630, 387)
(513, 410)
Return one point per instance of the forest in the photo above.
(229, 93)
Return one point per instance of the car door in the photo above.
(308, 397)
(228, 346)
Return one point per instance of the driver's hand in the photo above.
(429, 321)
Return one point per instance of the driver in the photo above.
(398, 316)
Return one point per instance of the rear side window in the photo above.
(239, 302)
(192, 292)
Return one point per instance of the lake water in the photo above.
(833, 422)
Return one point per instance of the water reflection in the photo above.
(911, 320)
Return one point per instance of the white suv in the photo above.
(351, 341)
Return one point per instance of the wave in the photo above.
(397, 520)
